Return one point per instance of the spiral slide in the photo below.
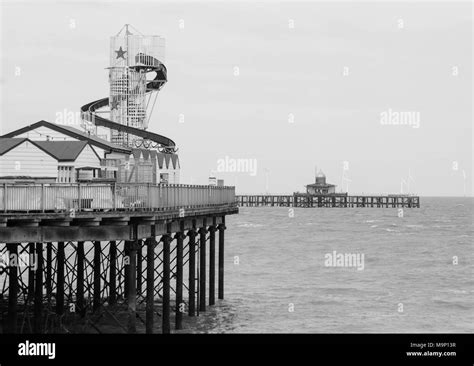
(149, 139)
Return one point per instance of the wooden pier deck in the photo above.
(341, 201)
(126, 252)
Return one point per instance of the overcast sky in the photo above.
(291, 85)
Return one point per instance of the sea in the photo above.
(290, 270)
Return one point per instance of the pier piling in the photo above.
(139, 267)
(126, 270)
(166, 283)
(96, 300)
(221, 259)
(179, 276)
(192, 271)
(31, 273)
(150, 281)
(49, 270)
(80, 308)
(202, 268)
(212, 262)
(113, 273)
(38, 308)
(12, 290)
(132, 289)
(60, 279)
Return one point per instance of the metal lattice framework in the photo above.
(94, 278)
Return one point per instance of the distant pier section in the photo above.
(322, 194)
(330, 200)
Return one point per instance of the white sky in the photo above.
(282, 71)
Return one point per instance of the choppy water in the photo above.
(409, 260)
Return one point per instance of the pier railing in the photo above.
(111, 196)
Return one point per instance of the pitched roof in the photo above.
(62, 150)
(6, 144)
(72, 132)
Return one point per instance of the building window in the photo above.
(65, 174)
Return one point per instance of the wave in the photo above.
(327, 302)
(249, 225)
(454, 291)
(453, 304)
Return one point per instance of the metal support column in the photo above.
(202, 267)
(221, 259)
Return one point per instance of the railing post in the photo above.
(149, 196)
(114, 196)
(160, 197)
(5, 197)
(79, 196)
(174, 196)
(42, 197)
(178, 190)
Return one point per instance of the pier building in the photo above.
(320, 186)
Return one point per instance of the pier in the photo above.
(330, 200)
(110, 257)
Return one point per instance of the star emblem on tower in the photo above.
(115, 103)
(120, 53)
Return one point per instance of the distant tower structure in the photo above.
(320, 187)
(132, 56)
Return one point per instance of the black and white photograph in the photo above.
(204, 180)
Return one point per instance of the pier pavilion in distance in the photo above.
(320, 187)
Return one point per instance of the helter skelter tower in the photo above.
(136, 75)
(132, 57)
